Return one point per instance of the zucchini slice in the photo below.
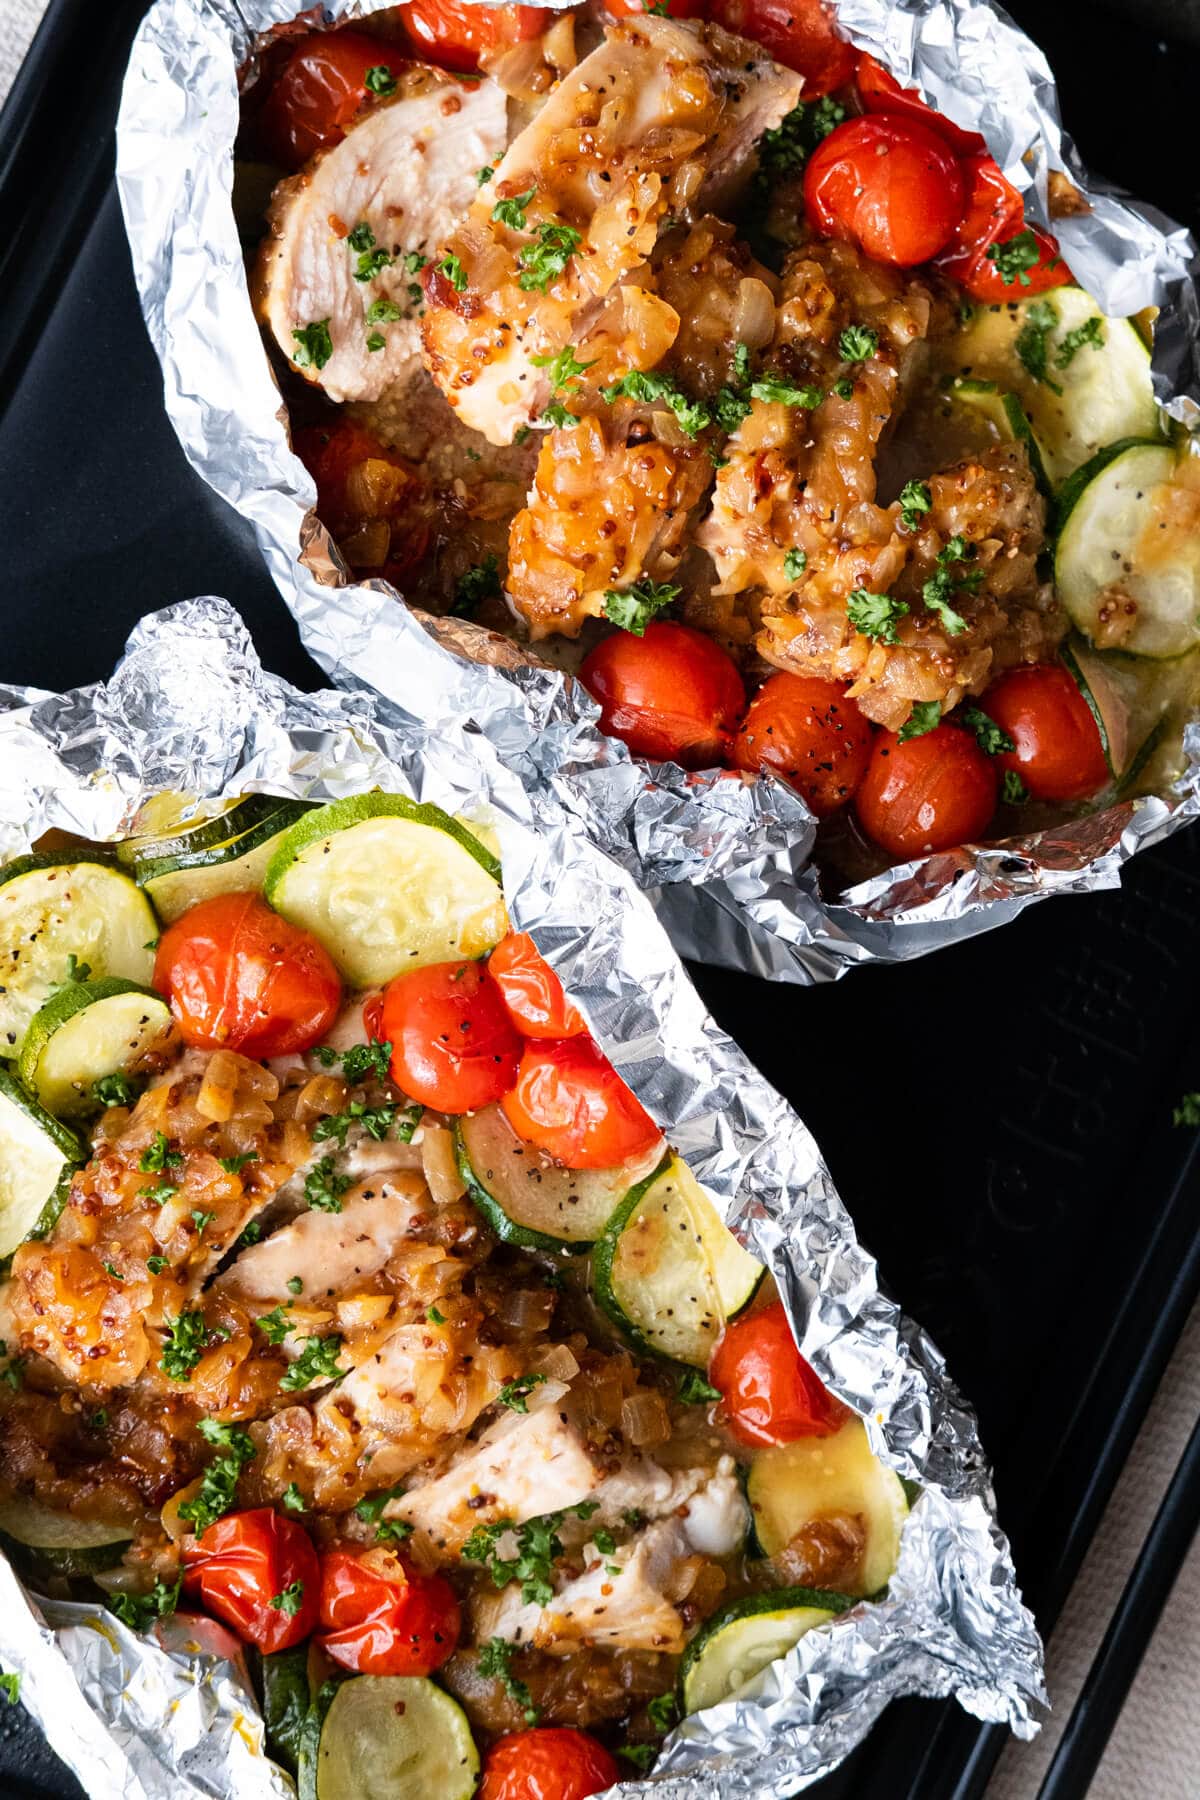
(87, 1030)
(1105, 385)
(59, 1541)
(397, 1735)
(37, 1159)
(237, 865)
(55, 907)
(530, 1200)
(1008, 416)
(817, 1477)
(164, 833)
(388, 886)
(1127, 565)
(668, 1270)
(738, 1642)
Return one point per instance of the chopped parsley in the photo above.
(642, 1756)
(202, 1220)
(295, 1285)
(159, 1193)
(512, 212)
(1013, 792)
(558, 416)
(317, 1361)
(139, 1611)
(361, 1062)
(218, 1487)
(520, 434)
(925, 716)
(186, 1337)
(323, 1188)
(1090, 332)
(14, 1374)
(778, 388)
(98, 1421)
(1187, 1113)
(251, 1235)
(794, 564)
(693, 1390)
(434, 1316)
(76, 971)
(372, 260)
(495, 1657)
(451, 267)
(393, 1531)
(1016, 256)
(857, 343)
(538, 1545)
(274, 1325)
(844, 388)
(10, 1686)
(943, 582)
(484, 175)
(915, 501)
(370, 1510)
(514, 1394)
(289, 1600)
(661, 1711)
(990, 737)
(314, 346)
(634, 1518)
(875, 615)
(112, 1090)
(293, 1499)
(111, 1269)
(784, 151)
(476, 586)
(233, 1165)
(379, 80)
(729, 408)
(376, 1121)
(1031, 343)
(633, 608)
(645, 385)
(383, 312)
(563, 365)
(604, 1541)
(544, 262)
(376, 341)
(159, 1156)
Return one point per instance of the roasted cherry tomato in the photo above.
(995, 216)
(531, 990)
(374, 503)
(889, 184)
(372, 1018)
(1059, 755)
(801, 34)
(238, 977)
(806, 730)
(320, 90)
(259, 1572)
(381, 1617)
(929, 793)
(769, 1394)
(570, 1102)
(880, 92)
(458, 34)
(676, 9)
(453, 1043)
(548, 1763)
(672, 695)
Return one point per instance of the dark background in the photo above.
(998, 1117)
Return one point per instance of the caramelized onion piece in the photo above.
(440, 1165)
(644, 1418)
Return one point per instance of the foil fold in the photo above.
(190, 709)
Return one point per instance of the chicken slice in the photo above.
(331, 1251)
(388, 194)
(620, 1601)
(710, 1502)
(661, 118)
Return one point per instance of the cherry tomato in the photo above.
(361, 482)
(676, 9)
(381, 1617)
(769, 1394)
(372, 1018)
(320, 91)
(800, 34)
(807, 731)
(458, 34)
(259, 1572)
(453, 1043)
(548, 1763)
(930, 793)
(880, 92)
(1059, 755)
(672, 695)
(570, 1102)
(238, 977)
(995, 214)
(889, 184)
(531, 990)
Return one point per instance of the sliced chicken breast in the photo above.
(331, 1251)
(619, 1602)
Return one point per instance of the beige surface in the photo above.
(1154, 1753)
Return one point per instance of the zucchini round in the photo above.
(743, 1638)
(818, 1477)
(87, 1030)
(37, 1159)
(668, 1270)
(387, 886)
(164, 833)
(56, 907)
(59, 1541)
(397, 1735)
(236, 865)
(1008, 416)
(528, 1199)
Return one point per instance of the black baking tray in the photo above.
(997, 1116)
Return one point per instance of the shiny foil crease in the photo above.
(725, 860)
(191, 709)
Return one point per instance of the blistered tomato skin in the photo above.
(547, 1763)
(880, 92)
(248, 1560)
(457, 34)
(1059, 756)
(380, 1617)
(321, 90)
(806, 731)
(800, 34)
(769, 1393)
(672, 695)
(930, 793)
(889, 184)
(454, 1045)
(569, 1101)
(531, 990)
(995, 215)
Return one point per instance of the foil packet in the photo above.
(191, 710)
(726, 861)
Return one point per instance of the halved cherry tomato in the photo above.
(890, 185)
(453, 1043)
(569, 1101)
(457, 34)
(672, 695)
(880, 92)
(929, 793)
(995, 215)
(320, 90)
(531, 990)
(368, 496)
(1059, 755)
(383, 1618)
(259, 1572)
(547, 1763)
(800, 34)
(806, 730)
(769, 1394)
(676, 9)
(238, 977)
(372, 1017)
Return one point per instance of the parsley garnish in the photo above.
(371, 259)
(77, 972)
(563, 365)
(159, 1194)
(361, 1062)
(98, 1421)
(642, 1756)
(515, 1393)
(202, 1220)
(274, 1325)
(14, 1374)
(233, 1165)
(295, 1285)
(383, 312)
(1090, 332)
(375, 1121)
(476, 586)
(218, 1488)
(645, 385)
(1013, 792)
(10, 1687)
(371, 1509)
(451, 267)
(633, 608)
(661, 1712)
(1031, 343)
(290, 1600)
(794, 564)
(379, 79)
(484, 175)
(844, 388)
(314, 346)
(495, 1664)
(186, 1337)
(988, 735)
(512, 212)
(323, 1189)
(604, 1541)
(317, 1361)
(1016, 256)
(693, 1390)
(784, 151)
(777, 388)
(875, 615)
(544, 262)
(558, 416)
(251, 1235)
(942, 583)
(293, 1499)
(375, 341)
(520, 434)
(538, 1545)
(925, 716)
(112, 1090)
(857, 343)
(139, 1611)
(434, 1316)
(1187, 1113)
(915, 501)
(111, 1269)
(159, 1156)
(394, 1531)
(634, 1518)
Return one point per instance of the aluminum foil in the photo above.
(726, 860)
(191, 709)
